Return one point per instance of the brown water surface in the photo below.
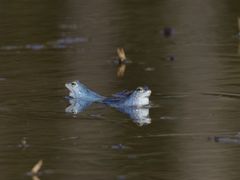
(186, 51)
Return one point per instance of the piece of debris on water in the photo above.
(37, 167)
(23, 144)
(35, 171)
(227, 139)
(170, 58)
(167, 32)
(121, 55)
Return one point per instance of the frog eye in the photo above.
(73, 83)
(139, 89)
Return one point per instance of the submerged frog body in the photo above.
(136, 98)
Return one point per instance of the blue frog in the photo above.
(80, 91)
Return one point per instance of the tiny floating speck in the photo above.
(170, 58)
(167, 32)
(23, 143)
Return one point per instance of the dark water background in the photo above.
(194, 75)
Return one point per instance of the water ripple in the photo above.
(62, 43)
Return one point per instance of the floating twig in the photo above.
(36, 167)
(121, 55)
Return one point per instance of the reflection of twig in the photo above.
(121, 55)
(35, 178)
(121, 70)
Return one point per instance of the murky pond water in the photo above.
(188, 54)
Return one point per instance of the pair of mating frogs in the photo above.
(135, 103)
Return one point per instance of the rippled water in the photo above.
(186, 52)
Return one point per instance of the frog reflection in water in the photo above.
(134, 103)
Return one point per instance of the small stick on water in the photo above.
(121, 55)
(37, 167)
